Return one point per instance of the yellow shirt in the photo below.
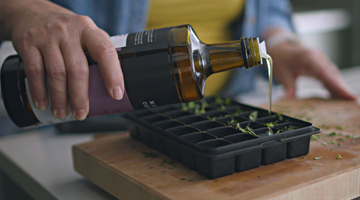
(210, 20)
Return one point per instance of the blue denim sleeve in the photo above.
(259, 15)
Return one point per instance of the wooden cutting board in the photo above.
(117, 164)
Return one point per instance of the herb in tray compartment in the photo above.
(280, 116)
(238, 111)
(247, 129)
(289, 128)
(227, 102)
(271, 124)
(253, 116)
(232, 121)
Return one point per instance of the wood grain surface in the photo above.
(117, 164)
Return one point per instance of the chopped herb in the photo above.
(330, 149)
(353, 136)
(238, 111)
(338, 157)
(228, 102)
(280, 116)
(332, 134)
(216, 180)
(169, 161)
(247, 129)
(271, 124)
(314, 138)
(303, 157)
(308, 119)
(340, 128)
(324, 143)
(219, 100)
(253, 116)
(277, 132)
(184, 107)
(133, 147)
(348, 136)
(222, 107)
(232, 121)
(182, 179)
(191, 180)
(324, 126)
(317, 158)
(211, 118)
(191, 105)
(341, 139)
(339, 144)
(332, 142)
(150, 155)
(151, 167)
(289, 128)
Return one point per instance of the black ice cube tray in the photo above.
(210, 136)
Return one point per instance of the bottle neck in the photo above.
(226, 56)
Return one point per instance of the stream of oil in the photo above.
(269, 65)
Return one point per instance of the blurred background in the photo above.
(331, 26)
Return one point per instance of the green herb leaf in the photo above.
(340, 128)
(339, 144)
(317, 158)
(222, 107)
(219, 100)
(324, 143)
(332, 134)
(150, 155)
(238, 111)
(303, 157)
(184, 107)
(341, 139)
(332, 142)
(271, 124)
(280, 116)
(232, 121)
(314, 138)
(182, 179)
(191, 180)
(253, 116)
(277, 132)
(338, 157)
(228, 102)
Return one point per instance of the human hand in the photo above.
(292, 60)
(51, 41)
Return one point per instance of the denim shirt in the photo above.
(126, 16)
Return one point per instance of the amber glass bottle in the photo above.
(160, 66)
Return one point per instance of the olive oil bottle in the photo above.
(160, 66)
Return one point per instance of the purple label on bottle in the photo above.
(100, 101)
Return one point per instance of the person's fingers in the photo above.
(35, 72)
(77, 71)
(103, 52)
(286, 77)
(57, 81)
(333, 81)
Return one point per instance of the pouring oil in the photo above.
(269, 64)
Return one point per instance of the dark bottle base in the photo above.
(14, 93)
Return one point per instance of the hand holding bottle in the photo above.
(51, 41)
(292, 60)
